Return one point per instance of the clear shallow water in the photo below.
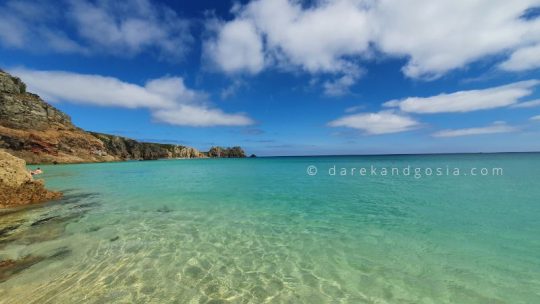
(263, 231)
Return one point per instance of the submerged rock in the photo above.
(8, 268)
(17, 187)
(8, 229)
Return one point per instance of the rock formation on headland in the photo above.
(17, 187)
(37, 132)
(233, 152)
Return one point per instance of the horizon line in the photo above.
(399, 154)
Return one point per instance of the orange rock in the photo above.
(17, 187)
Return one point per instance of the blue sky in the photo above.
(285, 77)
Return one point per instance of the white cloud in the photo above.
(496, 127)
(527, 104)
(123, 28)
(330, 36)
(308, 38)
(90, 89)
(237, 48)
(200, 116)
(376, 123)
(535, 118)
(466, 101)
(439, 36)
(169, 100)
(31, 25)
(527, 58)
(342, 85)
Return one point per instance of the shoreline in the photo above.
(287, 156)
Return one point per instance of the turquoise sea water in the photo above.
(264, 231)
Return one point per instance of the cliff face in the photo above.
(234, 152)
(37, 132)
(17, 186)
(22, 110)
(126, 148)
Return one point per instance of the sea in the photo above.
(448, 228)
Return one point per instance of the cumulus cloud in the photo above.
(238, 48)
(334, 35)
(439, 36)
(496, 127)
(466, 101)
(293, 35)
(168, 98)
(123, 28)
(376, 123)
(535, 118)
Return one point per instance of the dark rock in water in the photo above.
(85, 205)
(47, 232)
(116, 238)
(76, 199)
(9, 268)
(45, 229)
(61, 253)
(43, 220)
(8, 229)
(164, 209)
(94, 229)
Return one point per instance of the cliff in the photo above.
(37, 132)
(17, 187)
(234, 152)
(126, 148)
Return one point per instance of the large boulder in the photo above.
(17, 187)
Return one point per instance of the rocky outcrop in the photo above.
(37, 132)
(22, 110)
(127, 148)
(234, 152)
(17, 187)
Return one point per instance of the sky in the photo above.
(286, 77)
